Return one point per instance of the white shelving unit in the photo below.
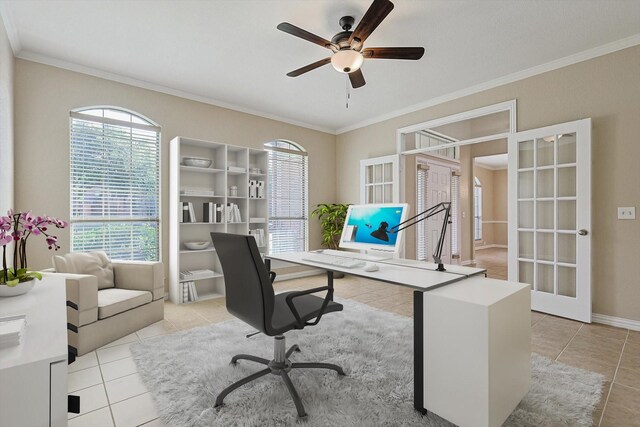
(253, 211)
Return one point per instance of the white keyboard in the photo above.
(336, 261)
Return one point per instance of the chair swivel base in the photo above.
(280, 365)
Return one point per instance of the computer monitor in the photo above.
(369, 227)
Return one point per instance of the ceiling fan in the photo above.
(347, 46)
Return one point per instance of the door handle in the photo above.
(583, 232)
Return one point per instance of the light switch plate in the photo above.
(628, 212)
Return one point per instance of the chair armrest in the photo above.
(139, 276)
(293, 295)
(82, 292)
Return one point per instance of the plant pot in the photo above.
(19, 289)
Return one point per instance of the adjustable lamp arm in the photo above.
(433, 210)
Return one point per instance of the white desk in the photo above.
(408, 273)
(33, 375)
(472, 336)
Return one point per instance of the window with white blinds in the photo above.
(421, 206)
(455, 222)
(115, 184)
(287, 195)
(477, 209)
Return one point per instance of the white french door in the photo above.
(380, 180)
(550, 217)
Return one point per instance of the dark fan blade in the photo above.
(307, 68)
(306, 35)
(393, 52)
(378, 10)
(357, 79)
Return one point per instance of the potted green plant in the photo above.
(331, 216)
(17, 228)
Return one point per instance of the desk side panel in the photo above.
(456, 360)
(509, 353)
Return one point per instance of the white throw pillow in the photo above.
(92, 263)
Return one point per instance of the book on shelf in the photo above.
(187, 275)
(188, 213)
(236, 169)
(185, 292)
(192, 213)
(197, 191)
(258, 234)
(184, 217)
(193, 293)
(209, 210)
(252, 188)
(260, 190)
(232, 213)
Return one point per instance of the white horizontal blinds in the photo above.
(287, 197)
(421, 206)
(455, 221)
(477, 209)
(115, 175)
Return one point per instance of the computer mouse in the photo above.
(371, 267)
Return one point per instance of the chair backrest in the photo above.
(249, 292)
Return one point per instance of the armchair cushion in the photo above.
(140, 276)
(92, 263)
(114, 301)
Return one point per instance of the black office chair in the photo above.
(250, 298)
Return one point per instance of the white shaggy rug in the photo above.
(186, 370)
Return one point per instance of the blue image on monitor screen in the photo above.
(373, 225)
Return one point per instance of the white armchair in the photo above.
(109, 299)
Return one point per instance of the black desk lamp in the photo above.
(434, 210)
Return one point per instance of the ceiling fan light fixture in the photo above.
(347, 60)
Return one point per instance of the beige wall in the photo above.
(44, 96)
(607, 89)
(6, 122)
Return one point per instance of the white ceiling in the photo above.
(495, 162)
(229, 52)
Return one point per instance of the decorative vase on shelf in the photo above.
(19, 289)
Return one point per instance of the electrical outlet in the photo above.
(627, 212)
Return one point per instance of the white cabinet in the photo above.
(226, 182)
(33, 374)
(477, 358)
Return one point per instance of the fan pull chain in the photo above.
(347, 88)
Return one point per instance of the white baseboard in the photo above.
(477, 248)
(298, 274)
(468, 262)
(619, 322)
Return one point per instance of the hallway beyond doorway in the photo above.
(494, 260)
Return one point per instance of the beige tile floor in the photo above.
(113, 394)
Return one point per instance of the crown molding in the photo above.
(18, 51)
(12, 32)
(491, 168)
(58, 63)
(500, 81)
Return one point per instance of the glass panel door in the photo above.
(550, 217)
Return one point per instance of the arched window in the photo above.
(287, 194)
(477, 209)
(115, 183)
